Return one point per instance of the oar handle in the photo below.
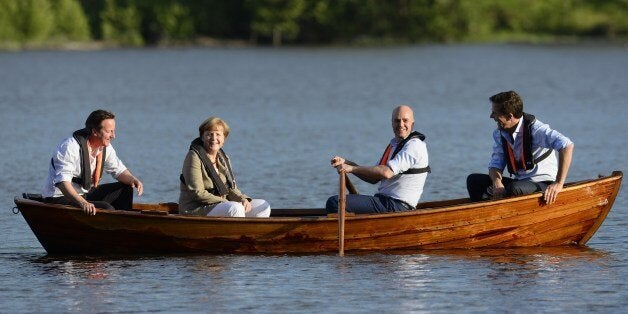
(348, 183)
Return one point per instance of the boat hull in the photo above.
(455, 224)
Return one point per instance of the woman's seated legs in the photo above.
(227, 209)
(259, 208)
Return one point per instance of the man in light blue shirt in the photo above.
(401, 172)
(526, 147)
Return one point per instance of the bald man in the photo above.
(401, 171)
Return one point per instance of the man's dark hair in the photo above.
(508, 102)
(95, 119)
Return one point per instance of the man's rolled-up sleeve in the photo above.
(407, 158)
(113, 165)
(497, 157)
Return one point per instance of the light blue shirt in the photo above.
(407, 187)
(543, 138)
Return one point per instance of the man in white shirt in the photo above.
(526, 146)
(77, 166)
(401, 172)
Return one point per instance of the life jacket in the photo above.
(400, 145)
(526, 162)
(219, 187)
(85, 178)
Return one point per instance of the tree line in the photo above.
(32, 23)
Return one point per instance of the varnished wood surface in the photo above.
(451, 224)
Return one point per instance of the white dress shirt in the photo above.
(67, 165)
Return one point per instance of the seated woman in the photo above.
(208, 187)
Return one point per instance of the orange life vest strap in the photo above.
(511, 154)
(98, 170)
(385, 156)
(511, 158)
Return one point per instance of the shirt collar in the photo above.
(515, 133)
(518, 129)
(94, 153)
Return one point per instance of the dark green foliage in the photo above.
(37, 22)
(69, 20)
(27, 20)
(149, 22)
(121, 23)
(278, 19)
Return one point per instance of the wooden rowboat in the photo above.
(524, 221)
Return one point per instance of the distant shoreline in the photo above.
(234, 43)
(102, 45)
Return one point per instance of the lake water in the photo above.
(290, 111)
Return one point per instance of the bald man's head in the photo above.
(402, 121)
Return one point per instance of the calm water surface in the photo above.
(290, 110)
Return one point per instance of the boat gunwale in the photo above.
(616, 175)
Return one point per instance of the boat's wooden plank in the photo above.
(522, 221)
(524, 231)
(565, 234)
(446, 203)
(570, 227)
(462, 235)
(374, 231)
(610, 200)
(172, 208)
(293, 212)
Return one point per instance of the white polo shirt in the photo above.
(407, 187)
(67, 165)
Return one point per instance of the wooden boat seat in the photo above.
(165, 208)
(33, 196)
(154, 212)
(335, 215)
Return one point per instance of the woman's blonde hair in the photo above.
(212, 122)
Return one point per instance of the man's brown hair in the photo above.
(95, 119)
(508, 102)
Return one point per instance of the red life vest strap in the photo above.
(98, 170)
(385, 156)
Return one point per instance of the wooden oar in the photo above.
(342, 203)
